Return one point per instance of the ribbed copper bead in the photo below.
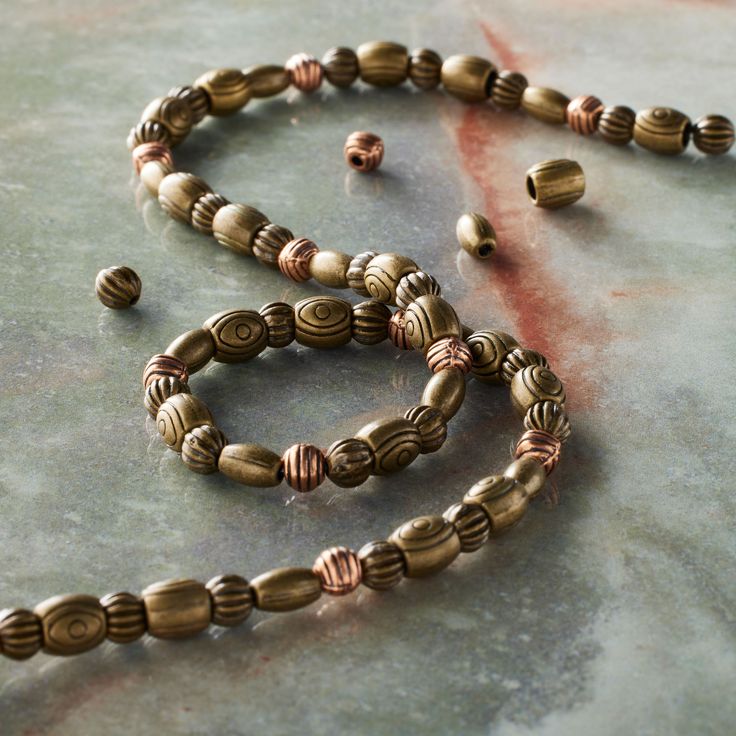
(161, 389)
(713, 134)
(269, 241)
(507, 89)
(449, 352)
(363, 151)
(204, 211)
(153, 151)
(304, 467)
(339, 570)
(540, 445)
(616, 124)
(305, 72)
(583, 114)
(126, 617)
(118, 287)
(231, 598)
(294, 259)
(397, 331)
(161, 366)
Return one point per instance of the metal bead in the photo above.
(268, 243)
(148, 131)
(339, 570)
(450, 352)
(153, 151)
(329, 268)
(532, 384)
(161, 366)
(370, 322)
(160, 390)
(425, 67)
(71, 624)
(340, 66)
(294, 259)
(286, 589)
(304, 467)
(713, 134)
(118, 287)
(414, 285)
(125, 616)
(507, 89)
(201, 448)
(382, 565)
(540, 445)
(430, 318)
(445, 391)
(431, 425)
(152, 174)
(251, 465)
(429, 544)
(195, 348)
(550, 417)
(394, 442)
(323, 322)
(504, 501)
(530, 472)
(197, 99)
(266, 80)
(616, 124)
(305, 72)
(583, 114)
(349, 463)
(171, 112)
(204, 211)
(471, 524)
(363, 151)
(179, 415)
(555, 183)
(476, 235)
(238, 335)
(178, 192)
(231, 599)
(356, 272)
(279, 319)
(235, 226)
(545, 104)
(397, 330)
(227, 89)
(469, 78)
(662, 130)
(383, 63)
(489, 348)
(520, 358)
(20, 633)
(177, 608)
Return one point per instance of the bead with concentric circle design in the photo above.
(520, 358)
(429, 544)
(238, 335)
(535, 383)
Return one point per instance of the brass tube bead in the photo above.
(235, 226)
(383, 63)
(469, 78)
(445, 391)
(251, 465)
(266, 80)
(556, 183)
(476, 235)
(286, 589)
(177, 608)
(195, 348)
(545, 104)
(662, 130)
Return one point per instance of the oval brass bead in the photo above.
(71, 624)
(545, 104)
(476, 235)
(540, 446)
(349, 462)
(504, 501)
(269, 241)
(339, 570)
(286, 589)
(227, 89)
(231, 599)
(431, 425)
(148, 131)
(471, 524)
(520, 358)
(304, 467)
(529, 472)
(616, 124)
(340, 66)
(20, 633)
(548, 416)
(532, 384)
(305, 72)
(160, 390)
(238, 335)
(445, 391)
(507, 89)
(323, 322)
(178, 415)
(329, 268)
(583, 114)
(555, 183)
(177, 608)
(429, 544)
(194, 348)
(204, 211)
(118, 287)
(430, 318)
(178, 192)
(425, 68)
(469, 78)
(251, 465)
(161, 366)
(394, 442)
(153, 173)
(125, 616)
(489, 349)
(171, 112)
(153, 151)
(382, 565)
(383, 63)
(266, 80)
(370, 322)
(449, 352)
(662, 130)
(397, 330)
(235, 226)
(713, 134)
(356, 272)
(413, 285)
(196, 99)
(201, 448)
(281, 323)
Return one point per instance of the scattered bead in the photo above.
(363, 151)
(118, 287)
(556, 183)
(476, 235)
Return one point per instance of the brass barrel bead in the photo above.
(445, 391)
(201, 448)
(550, 417)
(713, 134)
(469, 78)
(431, 425)
(583, 113)
(295, 257)
(530, 472)
(356, 272)
(489, 349)
(383, 63)
(304, 467)
(394, 442)
(471, 524)
(520, 358)
(305, 72)
(231, 599)
(383, 273)
(370, 322)
(153, 151)
(541, 446)
(71, 624)
(21, 635)
(414, 285)
(161, 366)
(429, 544)
(152, 174)
(286, 589)
(269, 241)
(235, 226)
(228, 90)
(616, 124)
(476, 235)
(425, 67)
(204, 211)
(349, 462)
(178, 192)
(251, 465)
(160, 390)
(266, 80)
(171, 112)
(280, 322)
(323, 322)
(429, 318)
(118, 287)
(329, 268)
(397, 330)
(148, 131)
(382, 565)
(238, 335)
(532, 384)
(507, 89)
(504, 501)
(178, 415)
(196, 99)
(545, 104)
(363, 151)
(194, 348)
(177, 608)
(125, 616)
(339, 570)
(340, 66)
(555, 183)
(662, 130)
(449, 352)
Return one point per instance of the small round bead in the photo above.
(349, 463)
(178, 192)
(445, 391)
(126, 617)
(285, 589)
(71, 624)
(161, 366)
(148, 131)
(555, 183)
(383, 273)
(171, 112)
(469, 78)
(201, 449)
(231, 599)
(662, 130)
(153, 151)
(340, 66)
(238, 335)
(540, 445)
(363, 151)
(428, 319)
(194, 348)
(294, 259)
(266, 80)
(329, 268)
(449, 352)
(397, 330)
(520, 358)
(235, 226)
(196, 98)
(414, 285)
(269, 242)
(713, 134)
(476, 235)
(504, 501)
(305, 72)
(304, 467)
(532, 384)
(429, 544)
(20, 633)
(227, 89)
(471, 524)
(177, 608)
(370, 322)
(507, 89)
(152, 174)
(616, 124)
(431, 425)
(356, 272)
(383, 63)
(339, 570)
(394, 442)
(160, 390)
(251, 465)
(545, 104)
(118, 287)
(548, 416)
(425, 66)
(489, 348)
(323, 322)
(279, 319)
(382, 565)
(204, 211)
(583, 113)
(179, 415)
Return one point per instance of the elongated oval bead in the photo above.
(429, 544)
(662, 130)
(545, 104)
(228, 90)
(383, 63)
(469, 78)
(286, 589)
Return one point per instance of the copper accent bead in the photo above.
(449, 352)
(340, 66)
(153, 151)
(616, 125)
(507, 89)
(540, 445)
(204, 211)
(305, 72)
(363, 151)
(160, 390)
(269, 241)
(413, 285)
(201, 448)
(20, 633)
(583, 114)
(713, 134)
(397, 331)
(356, 272)
(520, 358)
(294, 259)
(231, 599)
(118, 287)
(304, 467)
(126, 617)
(161, 366)
(550, 417)
(339, 570)
(431, 425)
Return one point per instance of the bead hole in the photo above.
(357, 161)
(531, 188)
(686, 136)
(484, 251)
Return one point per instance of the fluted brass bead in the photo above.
(178, 192)
(162, 389)
(177, 608)
(349, 462)
(476, 235)
(227, 89)
(235, 226)
(583, 114)
(713, 134)
(431, 425)
(429, 544)
(383, 63)
(20, 633)
(148, 131)
(549, 416)
(339, 570)
(161, 366)
(231, 599)
(489, 348)
(304, 467)
(382, 565)
(194, 348)
(286, 589)
(71, 624)
(414, 285)
(269, 241)
(545, 104)
(520, 358)
(471, 524)
(305, 72)
(118, 287)
(204, 211)
(430, 318)
(504, 500)
(171, 112)
(425, 68)
(323, 322)
(616, 124)
(340, 66)
(251, 465)
(281, 324)
(370, 322)
(469, 78)
(555, 183)
(201, 448)
(153, 151)
(507, 89)
(356, 272)
(266, 80)
(294, 259)
(397, 330)
(329, 268)
(197, 99)
(445, 391)
(529, 472)
(180, 414)
(532, 384)
(126, 617)
(153, 173)
(238, 335)
(662, 130)
(394, 442)
(449, 352)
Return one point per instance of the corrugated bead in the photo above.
(349, 462)
(340, 66)
(370, 322)
(449, 352)
(148, 131)
(520, 358)
(431, 425)
(583, 114)
(197, 99)
(160, 390)
(476, 235)
(238, 335)
(201, 448)
(269, 241)
(126, 617)
(161, 366)
(471, 524)
(540, 445)
(425, 66)
(616, 124)
(382, 565)
(339, 570)
(507, 89)
(294, 259)
(713, 134)
(356, 272)
(21, 635)
(305, 72)
(555, 183)
(413, 285)
(231, 599)
(118, 287)
(204, 211)
(550, 417)
(304, 467)
(363, 151)
(281, 324)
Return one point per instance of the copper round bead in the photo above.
(449, 352)
(161, 366)
(583, 113)
(304, 467)
(339, 570)
(397, 330)
(363, 151)
(294, 259)
(118, 287)
(540, 445)
(153, 151)
(305, 72)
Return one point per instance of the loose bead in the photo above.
(520, 358)
(153, 151)
(231, 599)
(382, 565)
(228, 90)
(429, 544)
(489, 349)
(662, 130)
(397, 330)
(125, 616)
(431, 425)
(71, 624)
(370, 322)
(202, 447)
(266, 80)
(428, 319)
(194, 348)
(177, 608)
(251, 465)
(532, 384)
(713, 134)
(286, 589)
(504, 500)
(395, 443)
(295, 257)
(340, 66)
(161, 366)
(471, 524)
(323, 322)
(550, 417)
(469, 78)
(304, 467)
(507, 89)
(383, 63)
(269, 242)
(178, 192)
(329, 268)
(204, 211)
(20, 633)
(160, 390)
(339, 570)
(363, 151)
(425, 68)
(545, 104)
(476, 235)
(171, 112)
(542, 446)
(349, 463)
(445, 391)
(583, 113)
(530, 472)
(197, 100)
(356, 272)
(555, 183)
(305, 72)
(148, 131)
(238, 335)
(449, 352)
(235, 226)
(414, 285)
(616, 124)
(179, 415)
(281, 324)
(153, 173)
(118, 287)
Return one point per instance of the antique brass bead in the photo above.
(160, 390)
(180, 414)
(177, 608)
(294, 259)
(269, 241)
(235, 226)
(469, 78)
(383, 63)
(238, 335)
(153, 151)
(532, 384)
(171, 112)
(305, 72)
(449, 352)
(504, 500)
(471, 524)
(71, 624)
(340, 66)
(713, 134)
(363, 151)
(394, 442)
(382, 565)
(266, 80)
(178, 192)
(356, 272)
(153, 173)
(202, 447)
(431, 425)
(476, 235)
(414, 285)
(125, 616)
(529, 472)
(489, 348)
(227, 89)
(520, 358)
(545, 104)
(370, 322)
(429, 544)
(339, 570)
(349, 462)
(430, 318)
(329, 268)
(583, 114)
(20, 633)
(548, 416)
(541, 446)
(161, 366)
(204, 211)
(118, 287)
(304, 467)
(616, 124)
(281, 324)
(445, 391)
(251, 465)
(397, 330)
(194, 348)
(662, 130)
(231, 599)
(425, 68)
(507, 89)
(197, 100)
(286, 589)
(148, 131)
(555, 183)
(323, 322)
